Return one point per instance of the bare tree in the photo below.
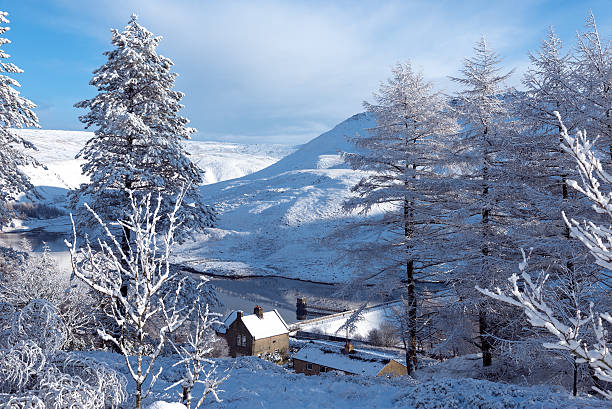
(195, 357)
(134, 281)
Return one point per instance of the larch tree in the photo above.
(592, 94)
(401, 154)
(571, 333)
(484, 195)
(15, 112)
(137, 141)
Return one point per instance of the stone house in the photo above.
(314, 358)
(263, 334)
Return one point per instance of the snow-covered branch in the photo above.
(194, 357)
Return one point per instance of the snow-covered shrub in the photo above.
(35, 374)
(39, 321)
(19, 365)
(7, 315)
(39, 277)
(21, 402)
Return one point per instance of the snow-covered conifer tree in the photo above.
(571, 333)
(402, 152)
(138, 131)
(592, 95)
(15, 112)
(483, 197)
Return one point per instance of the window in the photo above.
(323, 369)
(309, 366)
(237, 340)
(243, 340)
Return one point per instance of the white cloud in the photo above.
(296, 68)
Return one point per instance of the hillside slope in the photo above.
(273, 222)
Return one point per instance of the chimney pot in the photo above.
(258, 311)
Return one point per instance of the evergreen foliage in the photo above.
(137, 143)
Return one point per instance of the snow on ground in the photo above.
(255, 383)
(57, 151)
(275, 221)
(371, 318)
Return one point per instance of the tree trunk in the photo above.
(575, 386)
(138, 395)
(411, 356)
(485, 345)
(411, 353)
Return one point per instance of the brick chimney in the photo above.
(258, 311)
(238, 314)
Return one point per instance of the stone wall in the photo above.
(235, 329)
(270, 344)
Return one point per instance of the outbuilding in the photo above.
(315, 358)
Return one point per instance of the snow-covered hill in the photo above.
(272, 222)
(220, 160)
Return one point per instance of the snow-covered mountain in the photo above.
(220, 160)
(274, 222)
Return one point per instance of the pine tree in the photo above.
(15, 112)
(402, 152)
(136, 146)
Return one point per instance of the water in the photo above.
(235, 294)
(275, 293)
(36, 239)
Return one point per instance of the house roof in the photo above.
(270, 325)
(358, 362)
(227, 321)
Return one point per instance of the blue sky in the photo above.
(275, 71)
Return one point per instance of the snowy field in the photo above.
(255, 383)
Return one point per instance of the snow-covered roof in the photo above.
(270, 325)
(358, 362)
(231, 317)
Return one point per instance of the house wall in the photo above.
(254, 347)
(299, 366)
(393, 368)
(238, 328)
(270, 344)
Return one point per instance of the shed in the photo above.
(314, 358)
